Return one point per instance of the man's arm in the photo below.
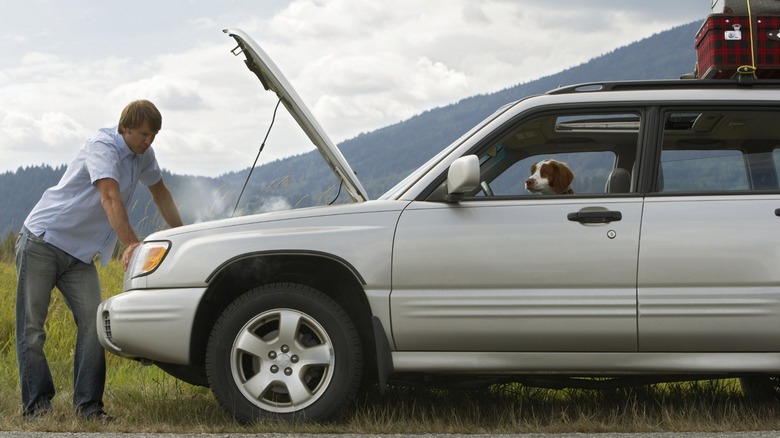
(116, 210)
(112, 202)
(165, 204)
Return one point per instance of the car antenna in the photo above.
(262, 146)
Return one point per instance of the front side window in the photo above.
(599, 148)
(591, 170)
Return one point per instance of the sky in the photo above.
(68, 68)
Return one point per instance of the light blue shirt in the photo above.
(70, 215)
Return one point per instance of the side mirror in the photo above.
(462, 177)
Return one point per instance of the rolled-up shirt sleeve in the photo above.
(102, 161)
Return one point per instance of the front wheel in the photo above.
(284, 351)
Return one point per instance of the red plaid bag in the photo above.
(744, 7)
(723, 44)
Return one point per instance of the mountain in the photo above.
(381, 158)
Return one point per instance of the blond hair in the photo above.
(138, 112)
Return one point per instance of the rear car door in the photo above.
(709, 263)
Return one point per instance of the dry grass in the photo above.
(144, 399)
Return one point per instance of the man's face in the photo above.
(139, 139)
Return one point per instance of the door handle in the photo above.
(595, 217)
(777, 212)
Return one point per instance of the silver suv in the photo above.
(663, 264)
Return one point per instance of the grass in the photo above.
(144, 399)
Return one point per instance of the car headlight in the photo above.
(148, 257)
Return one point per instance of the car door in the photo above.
(710, 251)
(521, 273)
(515, 276)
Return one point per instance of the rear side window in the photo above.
(776, 161)
(715, 151)
(691, 170)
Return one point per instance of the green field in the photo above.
(144, 399)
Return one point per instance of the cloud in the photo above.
(193, 150)
(27, 140)
(165, 91)
(204, 23)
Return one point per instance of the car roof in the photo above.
(668, 84)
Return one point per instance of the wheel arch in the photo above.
(327, 273)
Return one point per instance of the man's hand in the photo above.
(128, 255)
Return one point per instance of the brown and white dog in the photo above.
(550, 177)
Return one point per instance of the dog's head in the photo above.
(550, 177)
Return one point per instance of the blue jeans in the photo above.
(40, 267)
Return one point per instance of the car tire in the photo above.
(284, 351)
(760, 387)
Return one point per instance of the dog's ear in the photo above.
(563, 177)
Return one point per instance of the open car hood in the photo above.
(273, 80)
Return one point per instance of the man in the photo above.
(73, 222)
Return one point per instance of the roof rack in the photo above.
(667, 84)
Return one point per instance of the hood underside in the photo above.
(273, 80)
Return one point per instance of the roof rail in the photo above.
(667, 84)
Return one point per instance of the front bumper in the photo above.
(153, 324)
